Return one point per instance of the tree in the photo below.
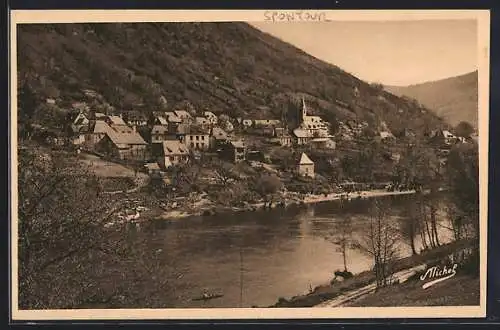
(187, 106)
(463, 180)
(224, 173)
(225, 122)
(410, 223)
(185, 178)
(267, 185)
(342, 237)
(380, 242)
(62, 225)
(464, 129)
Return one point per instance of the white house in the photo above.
(305, 166)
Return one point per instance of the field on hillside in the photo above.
(104, 168)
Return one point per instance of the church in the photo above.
(313, 124)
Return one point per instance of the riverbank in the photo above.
(286, 200)
(362, 285)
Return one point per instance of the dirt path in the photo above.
(401, 276)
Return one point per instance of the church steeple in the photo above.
(304, 109)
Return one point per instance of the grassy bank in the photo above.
(460, 290)
(323, 293)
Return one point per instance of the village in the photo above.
(214, 165)
(298, 151)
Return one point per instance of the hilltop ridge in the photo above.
(455, 98)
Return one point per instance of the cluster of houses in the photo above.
(164, 139)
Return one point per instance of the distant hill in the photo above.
(228, 68)
(454, 99)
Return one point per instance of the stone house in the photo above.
(196, 141)
(169, 153)
(305, 166)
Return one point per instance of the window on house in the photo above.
(197, 138)
(203, 137)
(197, 145)
(191, 137)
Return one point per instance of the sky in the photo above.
(392, 52)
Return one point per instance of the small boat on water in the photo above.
(208, 296)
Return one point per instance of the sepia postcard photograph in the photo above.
(257, 164)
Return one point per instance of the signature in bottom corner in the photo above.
(438, 274)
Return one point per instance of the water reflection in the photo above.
(254, 258)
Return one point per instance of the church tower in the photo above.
(304, 111)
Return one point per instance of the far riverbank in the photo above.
(206, 207)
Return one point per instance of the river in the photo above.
(254, 258)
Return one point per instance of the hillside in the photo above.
(223, 67)
(454, 99)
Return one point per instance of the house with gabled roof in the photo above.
(302, 136)
(118, 124)
(94, 132)
(305, 166)
(184, 116)
(169, 153)
(125, 146)
(81, 119)
(196, 139)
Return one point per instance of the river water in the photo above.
(254, 258)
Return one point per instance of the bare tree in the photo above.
(380, 242)
(343, 238)
(224, 172)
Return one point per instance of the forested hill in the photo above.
(222, 67)
(454, 99)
